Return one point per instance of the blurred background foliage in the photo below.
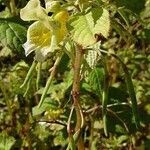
(24, 126)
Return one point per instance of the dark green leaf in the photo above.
(12, 35)
(96, 78)
(134, 5)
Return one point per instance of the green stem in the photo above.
(91, 139)
(132, 95)
(105, 98)
(50, 79)
(130, 88)
(13, 7)
(27, 88)
(29, 74)
(38, 75)
(73, 139)
(69, 130)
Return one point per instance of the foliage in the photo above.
(74, 74)
(6, 142)
(12, 34)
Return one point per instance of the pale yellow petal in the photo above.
(38, 40)
(32, 11)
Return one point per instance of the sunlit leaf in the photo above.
(84, 28)
(92, 56)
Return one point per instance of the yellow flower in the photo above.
(38, 40)
(62, 18)
(46, 33)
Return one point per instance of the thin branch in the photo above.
(122, 104)
(39, 66)
(109, 110)
(69, 130)
(53, 122)
(49, 81)
(69, 121)
(92, 109)
(113, 113)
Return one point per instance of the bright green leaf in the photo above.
(84, 28)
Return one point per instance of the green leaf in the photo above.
(93, 56)
(96, 79)
(47, 105)
(124, 33)
(12, 35)
(6, 142)
(5, 52)
(122, 139)
(130, 88)
(1, 1)
(134, 5)
(145, 15)
(124, 15)
(117, 94)
(85, 27)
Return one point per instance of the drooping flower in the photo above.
(44, 35)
